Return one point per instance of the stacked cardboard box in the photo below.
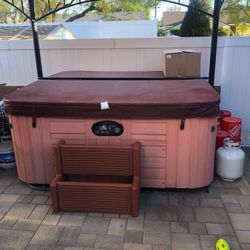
(182, 63)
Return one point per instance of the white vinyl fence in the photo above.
(17, 63)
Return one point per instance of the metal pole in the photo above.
(155, 10)
(216, 17)
(35, 40)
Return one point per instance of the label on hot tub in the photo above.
(107, 128)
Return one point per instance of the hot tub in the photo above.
(174, 120)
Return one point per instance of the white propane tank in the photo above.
(230, 161)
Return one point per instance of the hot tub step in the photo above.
(94, 193)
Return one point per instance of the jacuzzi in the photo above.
(174, 120)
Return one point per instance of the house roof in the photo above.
(43, 32)
(24, 32)
(8, 32)
(171, 18)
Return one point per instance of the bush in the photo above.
(176, 31)
(225, 31)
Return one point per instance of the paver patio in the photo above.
(169, 219)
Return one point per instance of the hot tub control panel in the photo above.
(107, 128)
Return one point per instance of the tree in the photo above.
(102, 7)
(237, 11)
(174, 8)
(9, 14)
(105, 8)
(196, 23)
(237, 14)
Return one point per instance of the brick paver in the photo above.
(197, 228)
(109, 242)
(243, 236)
(74, 220)
(132, 246)
(240, 221)
(69, 236)
(96, 225)
(185, 241)
(205, 214)
(27, 225)
(169, 219)
(233, 208)
(26, 198)
(185, 213)
(211, 202)
(8, 222)
(219, 229)
(86, 240)
(134, 224)
(156, 232)
(179, 227)
(10, 239)
(51, 220)
(18, 187)
(40, 199)
(117, 227)
(245, 203)
(47, 235)
(20, 210)
(39, 212)
(134, 236)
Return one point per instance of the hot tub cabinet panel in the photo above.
(170, 156)
(33, 151)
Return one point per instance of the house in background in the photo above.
(24, 32)
(172, 18)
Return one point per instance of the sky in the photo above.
(163, 6)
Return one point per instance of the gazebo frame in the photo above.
(64, 4)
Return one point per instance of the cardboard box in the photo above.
(180, 63)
